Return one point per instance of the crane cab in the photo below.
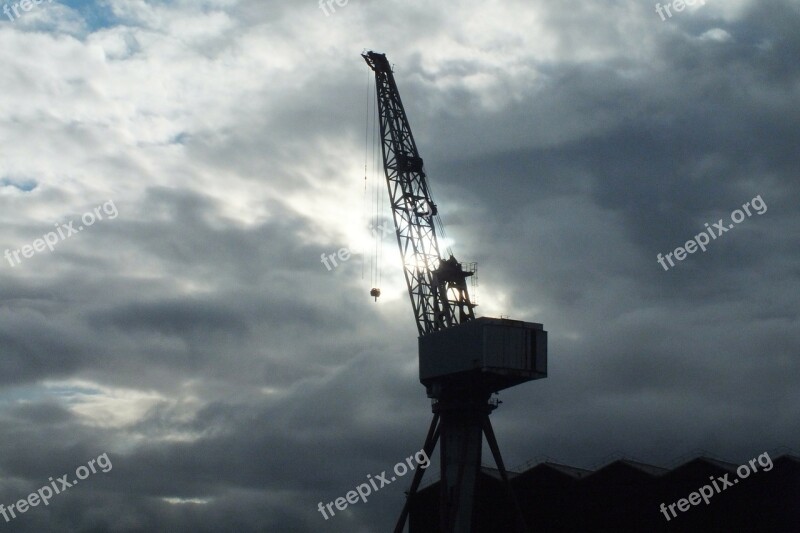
(489, 353)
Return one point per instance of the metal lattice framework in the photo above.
(437, 286)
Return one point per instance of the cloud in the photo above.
(235, 381)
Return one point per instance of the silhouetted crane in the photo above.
(463, 360)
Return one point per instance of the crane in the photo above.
(463, 360)
(438, 290)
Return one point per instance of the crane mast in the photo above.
(463, 360)
(437, 286)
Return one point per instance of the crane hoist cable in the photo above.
(376, 188)
(366, 153)
(376, 246)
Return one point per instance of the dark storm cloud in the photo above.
(235, 382)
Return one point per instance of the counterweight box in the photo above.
(500, 352)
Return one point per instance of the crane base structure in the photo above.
(461, 367)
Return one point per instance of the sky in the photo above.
(171, 174)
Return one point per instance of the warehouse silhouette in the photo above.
(625, 496)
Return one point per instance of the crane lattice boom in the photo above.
(437, 286)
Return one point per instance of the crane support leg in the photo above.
(498, 459)
(430, 444)
(461, 423)
(460, 453)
